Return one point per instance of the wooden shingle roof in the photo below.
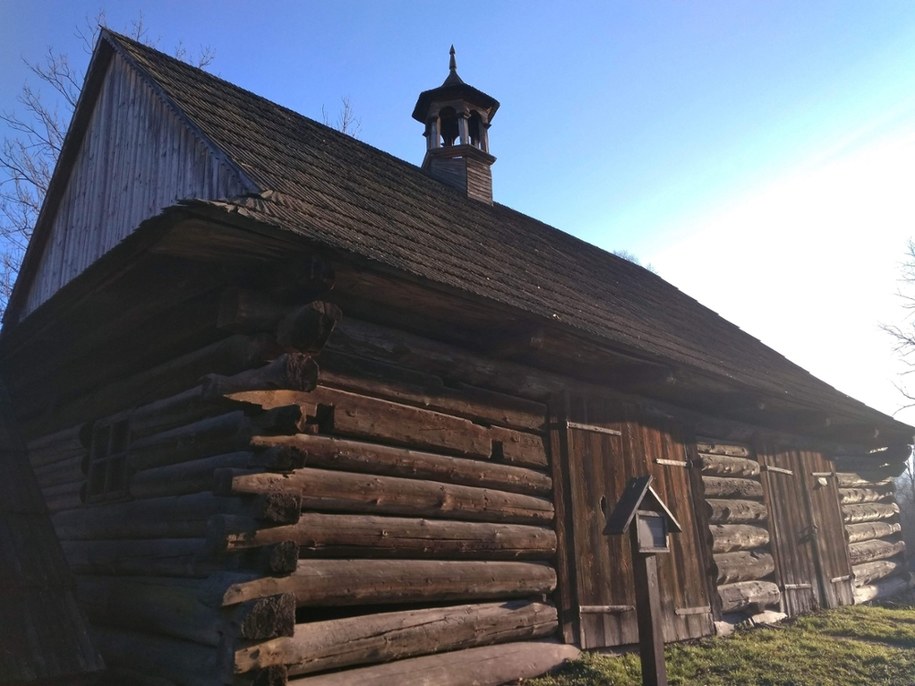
(345, 195)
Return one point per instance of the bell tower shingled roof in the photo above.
(457, 117)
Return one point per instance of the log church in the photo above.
(304, 413)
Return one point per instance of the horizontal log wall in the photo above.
(151, 558)
(876, 549)
(415, 493)
(738, 527)
(486, 666)
(252, 496)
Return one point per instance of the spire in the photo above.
(453, 79)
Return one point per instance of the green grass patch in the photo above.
(851, 646)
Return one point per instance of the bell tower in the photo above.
(457, 118)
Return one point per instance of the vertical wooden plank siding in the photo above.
(136, 159)
(565, 557)
(792, 532)
(832, 550)
(599, 466)
(598, 471)
(686, 601)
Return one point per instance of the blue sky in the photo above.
(759, 154)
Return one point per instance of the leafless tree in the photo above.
(903, 335)
(346, 122)
(632, 257)
(27, 158)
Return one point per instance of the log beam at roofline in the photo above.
(516, 343)
(460, 320)
(240, 245)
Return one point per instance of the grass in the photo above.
(850, 646)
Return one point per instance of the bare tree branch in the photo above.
(903, 335)
(27, 159)
(346, 122)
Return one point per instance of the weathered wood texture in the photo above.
(326, 490)
(447, 481)
(456, 496)
(855, 480)
(725, 465)
(370, 418)
(723, 487)
(807, 530)
(484, 666)
(706, 447)
(411, 387)
(869, 512)
(382, 637)
(735, 511)
(745, 565)
(338, 535)
(869, 530)
(124, 171)
(867, 573)
(599, 567)
(357, 456)
(748, 594)
(728, 538)
(345, 582)
(873, 530)
(878, 549)
(738, 522)
(90, 399)
(864, 495)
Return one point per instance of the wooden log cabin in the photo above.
(306, 413)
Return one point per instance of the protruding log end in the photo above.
(280, 558)
(307, 328)
(291, 371)
(266, 618)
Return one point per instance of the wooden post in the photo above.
(648, 611)
(642, 513)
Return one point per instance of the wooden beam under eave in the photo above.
(735, 401)
(515, 344)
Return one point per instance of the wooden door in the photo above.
(791, 531)
(603, 445)
(822, 492)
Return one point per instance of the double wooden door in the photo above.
(603, 444)
(806, 529)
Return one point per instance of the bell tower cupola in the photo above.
(457, 118)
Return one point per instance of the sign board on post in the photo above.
(650, 535)
(651, 531)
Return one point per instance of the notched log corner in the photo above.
(290, 371)
(265, 618)
(307, 328)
